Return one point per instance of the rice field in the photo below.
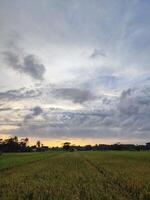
(111, 175)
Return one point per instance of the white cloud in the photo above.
(86, 53)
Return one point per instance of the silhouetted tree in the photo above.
(148, 145)
(13, 144)
(24, 142)
(1, 141)
(66, 146)
(15, 139)
(38, 144)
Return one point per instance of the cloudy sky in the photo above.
(75, 70)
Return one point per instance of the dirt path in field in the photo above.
(112, 181)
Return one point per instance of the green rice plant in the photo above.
(77, 176)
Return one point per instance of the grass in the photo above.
(8, 160)
(75, 175)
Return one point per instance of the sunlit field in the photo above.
(75, 175)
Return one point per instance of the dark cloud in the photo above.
(97, 53)
(18, 94)
(129, 118)
(37, 111)
(59, 131)
(134, 110)
(74, 94)
(135, 101)
(29, 64)
(33, 67)
(5, 109)
(12, 59)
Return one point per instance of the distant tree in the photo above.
(88, 147)
(15, 139)
(1, 141)
(66, 146)
(11, 144)
(148, 145)
(38, 144)
(12, 140)
(24, 141)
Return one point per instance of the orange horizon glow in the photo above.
(53, 142)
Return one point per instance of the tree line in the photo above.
(13, 144)
(104, 147)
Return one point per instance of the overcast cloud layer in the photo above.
(75, 69)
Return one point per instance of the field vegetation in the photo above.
(108, 175)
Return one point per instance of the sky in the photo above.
(75, 71)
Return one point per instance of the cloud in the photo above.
(127, 117)
(116, 122)
(5, 109)
(12, 59)
(29, 64)
(49, 92)
(97, 53)
(134, 111)
(74, 94)
(33, 67)
(18, 94)
(135, 101)
(87, 57)
(37, 111)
